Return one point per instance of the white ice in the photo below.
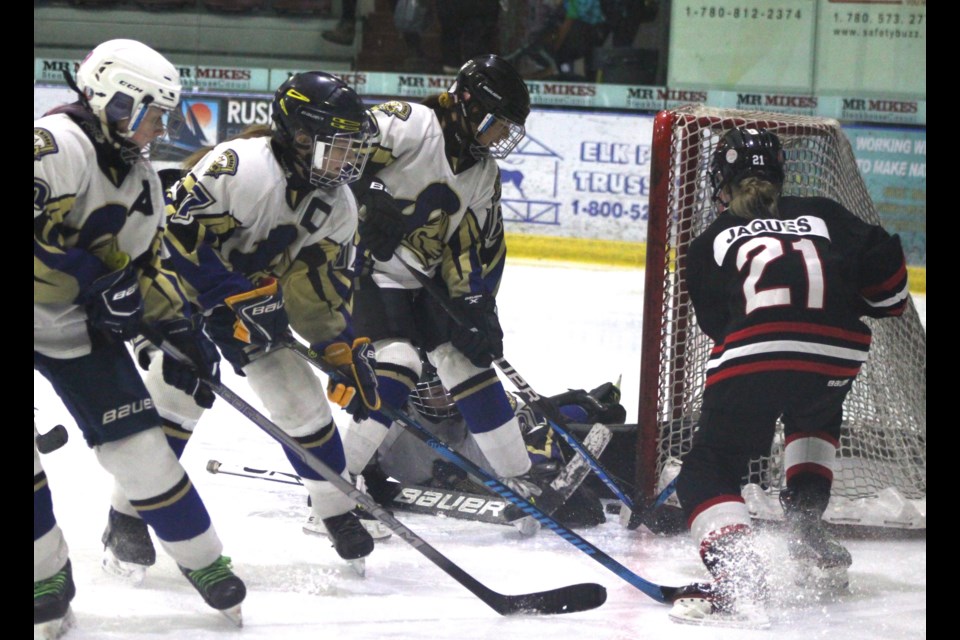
(566, 327)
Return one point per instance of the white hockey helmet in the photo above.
(121, 79)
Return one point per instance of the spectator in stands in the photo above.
(467, 30)
(583, 29)
(346, 29)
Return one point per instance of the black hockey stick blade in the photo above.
(571, 599)
(52, 440)
(568, 599)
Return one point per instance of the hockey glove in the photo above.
(353, 386)
(482, 339)
(204, 360)
(113, 301)
(261, 316)
(381, 221)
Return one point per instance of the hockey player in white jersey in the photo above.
(98, 222)
(431, 193)
(262, 231)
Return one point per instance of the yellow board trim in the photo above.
(618, 253)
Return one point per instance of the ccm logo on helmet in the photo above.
(124, 83)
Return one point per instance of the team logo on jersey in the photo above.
(226, 164)
(395, 108)
(43, 143)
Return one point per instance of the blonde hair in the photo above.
(253, 131)
(754, 197)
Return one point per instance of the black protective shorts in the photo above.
(103, 391)
(414, 314)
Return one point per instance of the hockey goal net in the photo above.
(881, 467)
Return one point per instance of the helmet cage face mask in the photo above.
(331, 147)
(494, 100)
(431, 400)
(497, 136)
(744, 152)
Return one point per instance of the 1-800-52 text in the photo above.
(611, 209)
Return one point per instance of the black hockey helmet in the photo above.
(743, 152)
(322, 127)
(492, 97)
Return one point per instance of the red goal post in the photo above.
(881, 469)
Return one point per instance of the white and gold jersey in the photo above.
(86, 207)
(234, 219)
(453, 220)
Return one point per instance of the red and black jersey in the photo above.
(787, 294)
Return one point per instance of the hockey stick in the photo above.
(659, 593)
(531, 397)
(568, 599)
(447, 500)
(431, 501)
(215, 466)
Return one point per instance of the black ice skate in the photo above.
(533, 486)
(821, 561)
(52, 615)
(219, 587)
(350, 538)
(127, 547)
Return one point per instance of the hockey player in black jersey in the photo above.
(779, 283)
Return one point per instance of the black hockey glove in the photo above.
(353, 386)
(204, 360)
(482, 339)
(261, 316)
(381, 221)
(113, 301)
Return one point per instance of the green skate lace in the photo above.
(53, 585)
(211, 575)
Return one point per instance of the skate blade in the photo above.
(359, 566)
(826, 582)
(233, 614)
(53, 629)
(129, 572)
(696, 613)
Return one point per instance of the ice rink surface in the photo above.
(566, 327)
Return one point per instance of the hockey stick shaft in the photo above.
(657, 592)
(566, 482)
(568, 599)
(531, 397)
(215, 466)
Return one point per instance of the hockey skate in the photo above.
(821, 562)
(707, 604)
(220, 588)
(736, 596)
(52, 615)
(350, 539)
(127, 547)
(376, 529)
(533, 486)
